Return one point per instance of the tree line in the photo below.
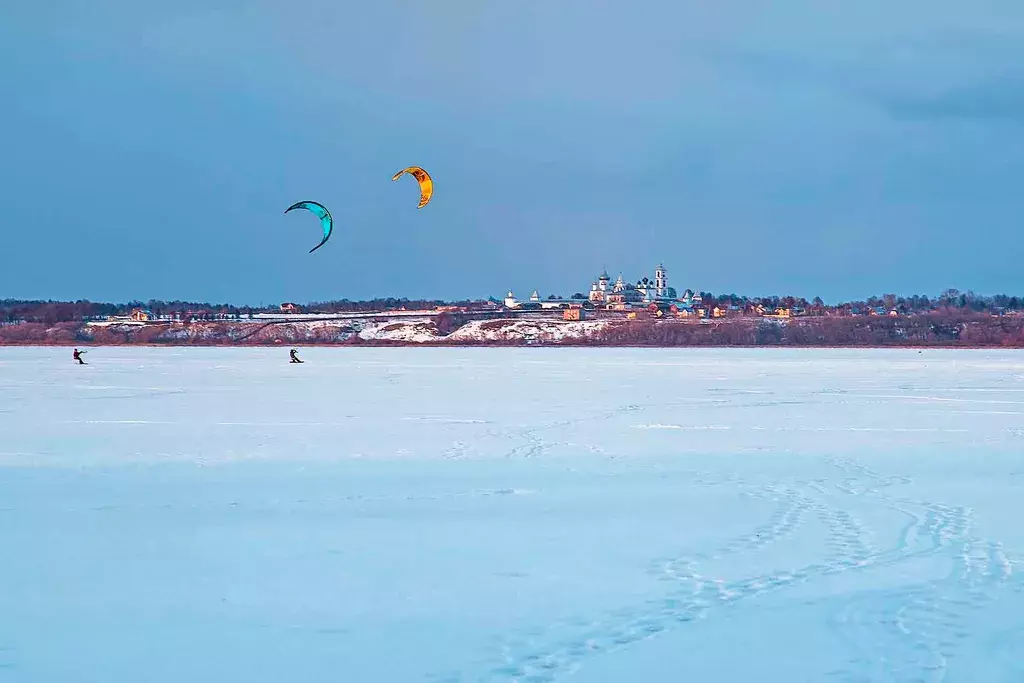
(949, 328)
(52, 312)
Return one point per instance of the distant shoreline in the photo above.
(947, 331)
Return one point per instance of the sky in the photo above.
(808, 147)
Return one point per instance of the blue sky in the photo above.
(821, 148)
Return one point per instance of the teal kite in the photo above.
(322, 213)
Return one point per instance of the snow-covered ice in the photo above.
(447, 515)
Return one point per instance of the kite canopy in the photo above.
(423, 178)
(322, 213)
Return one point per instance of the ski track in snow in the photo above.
(922, 631)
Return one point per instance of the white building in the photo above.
(660, 281)
(599, 288)
(615, 295)
(650, 290)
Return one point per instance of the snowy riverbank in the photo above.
(425, 330)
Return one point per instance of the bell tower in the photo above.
(660, 280)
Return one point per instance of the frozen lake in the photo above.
(450, 515)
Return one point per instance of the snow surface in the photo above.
(403, 331)
(443, 515)
(416, 329)
(508, 330)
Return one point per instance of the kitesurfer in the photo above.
(294, 356)
(78, 356)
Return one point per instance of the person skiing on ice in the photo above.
(77, 355)
(294, 356)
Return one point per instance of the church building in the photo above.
(644, 291)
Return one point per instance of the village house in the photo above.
(755, 309)
(137, 315)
